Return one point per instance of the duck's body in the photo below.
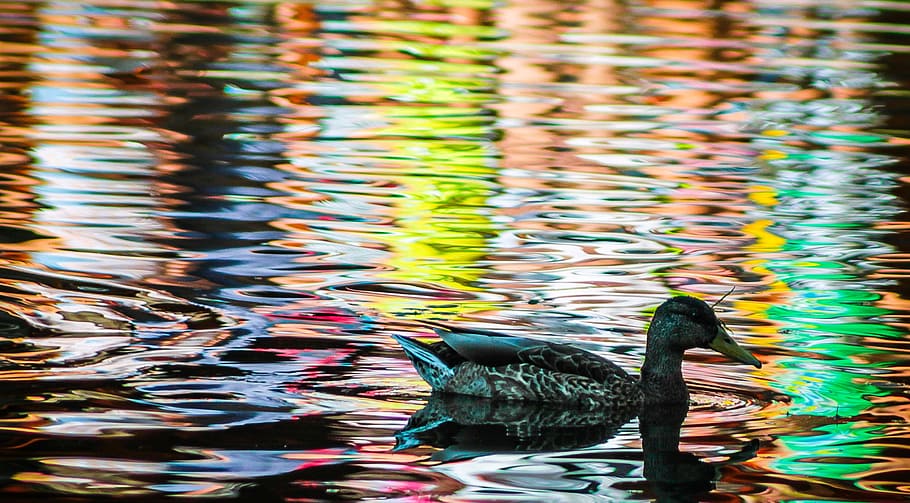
(515, 368)
(505, 367)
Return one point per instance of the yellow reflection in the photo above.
(440, 237)
(765, 241)
(397, 165)
(435, 230)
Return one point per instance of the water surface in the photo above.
(213, 215)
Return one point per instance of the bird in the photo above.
(498, 366)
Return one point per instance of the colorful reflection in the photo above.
(214, 214)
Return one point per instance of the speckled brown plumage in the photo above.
(526, 382)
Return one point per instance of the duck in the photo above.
(498, 366)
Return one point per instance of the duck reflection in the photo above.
(675, 475)
(467, 427)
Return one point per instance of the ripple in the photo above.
(412, 290)
(605, 244)
(724, 405)
(212, 218)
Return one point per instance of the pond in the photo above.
(214, 216)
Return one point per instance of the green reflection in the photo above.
(830, 379)
(837, 451)
(849, 137)
(821, 215)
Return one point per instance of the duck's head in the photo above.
(684, 323)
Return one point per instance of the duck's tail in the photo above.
(428, 362)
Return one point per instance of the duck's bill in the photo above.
(725, 345)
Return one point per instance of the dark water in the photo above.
(213, 215)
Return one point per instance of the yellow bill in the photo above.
(725, 345)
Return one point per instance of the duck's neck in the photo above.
(661, 374)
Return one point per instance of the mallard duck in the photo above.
(505, 367)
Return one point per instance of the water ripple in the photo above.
(212, 218)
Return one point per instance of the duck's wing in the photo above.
(483, 346)
(572, 360)
(495, 349)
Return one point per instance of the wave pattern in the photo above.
(213, 215)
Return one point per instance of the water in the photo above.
(213, 215)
